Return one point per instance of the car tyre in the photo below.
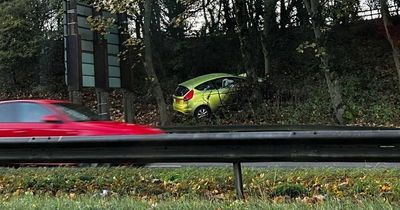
(202, 112)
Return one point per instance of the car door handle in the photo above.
(20, 132)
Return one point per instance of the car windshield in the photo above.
(77, 112)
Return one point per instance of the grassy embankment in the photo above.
(127, 188)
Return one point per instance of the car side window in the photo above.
(205, 86)
(7, 113)
(218, 83)
(229, 82)
(31, 112)
(235, 82)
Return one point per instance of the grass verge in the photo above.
(214, 184)
(44, 203)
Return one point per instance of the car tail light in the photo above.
(189, 95)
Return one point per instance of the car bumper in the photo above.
(183, 108)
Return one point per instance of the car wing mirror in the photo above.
(51, 119)
(103, 117)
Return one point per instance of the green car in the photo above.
(203, 95)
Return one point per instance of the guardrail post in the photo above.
(237, 170)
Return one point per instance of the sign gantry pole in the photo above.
(101, 72)
(74, 57)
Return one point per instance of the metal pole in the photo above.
(73, 50)
(102, 103)
(237, 170)
(72, 17)
(75, 96)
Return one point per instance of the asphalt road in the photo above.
(281, 165)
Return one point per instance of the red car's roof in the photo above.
(41, 101)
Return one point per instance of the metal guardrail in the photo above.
(261, 128)
(297, 146)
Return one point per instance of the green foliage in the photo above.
(100, 24)
(18, 43)
(26, 29)
(317, 50)
(344, 11)
(291, 190)
(117, 6)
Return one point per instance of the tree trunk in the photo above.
(206, 24)
(150, 67)
(213, 23)
(269, 10)
(248, 50)
(157, 42)
(283, 15)
(229, 25)
(267, 57)
(129, 106)
(302, 15)
(127, 63)
(387, 22)
(244, 37)
(313, 8)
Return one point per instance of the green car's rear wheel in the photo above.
(202, 112)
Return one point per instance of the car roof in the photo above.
(40, 101)
(204, 78)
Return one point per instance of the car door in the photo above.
(209, 94)
(221, 91)
(227, 88)
(215, 92)
(30, 121)
(232, 88)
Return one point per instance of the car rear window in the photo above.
(181, 90)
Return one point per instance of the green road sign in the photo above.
(100, 66)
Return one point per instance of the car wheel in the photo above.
(202, 112)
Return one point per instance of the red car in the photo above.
(29, 118)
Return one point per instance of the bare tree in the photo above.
(158, 93)
(314, 9)
(387, 22)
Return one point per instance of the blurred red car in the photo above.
(30, 118)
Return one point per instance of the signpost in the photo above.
(73, 55)
(91, 58)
